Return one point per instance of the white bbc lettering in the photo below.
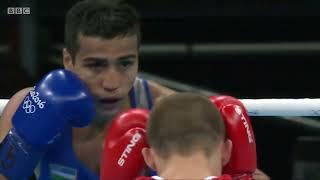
(18, 10)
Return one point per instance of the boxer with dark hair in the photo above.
(102, 41)
(102, 48)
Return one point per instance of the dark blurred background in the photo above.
(248, 49)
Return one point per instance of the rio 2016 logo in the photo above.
(35, 96)
(28, 104)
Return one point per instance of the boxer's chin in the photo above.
(106, 115)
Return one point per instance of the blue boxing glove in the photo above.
(59, 99)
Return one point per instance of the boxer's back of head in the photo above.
(99, 18)
(183, 123)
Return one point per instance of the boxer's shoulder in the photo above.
(10, 109)
(158, 90)
(13, 104)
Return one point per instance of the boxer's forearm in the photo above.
(9, 110)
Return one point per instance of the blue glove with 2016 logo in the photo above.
(60, 98)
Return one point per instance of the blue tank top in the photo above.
(61, 163)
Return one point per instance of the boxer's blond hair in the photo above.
(184, 122)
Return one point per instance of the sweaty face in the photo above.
(108, 67)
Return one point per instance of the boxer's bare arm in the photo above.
(9, 110)
(158, 90)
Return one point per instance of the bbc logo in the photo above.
(18, 10)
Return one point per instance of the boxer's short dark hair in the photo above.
(183, 123)
(98, 18)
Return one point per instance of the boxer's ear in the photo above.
(226, 151)
(148, 157)
(67, 59)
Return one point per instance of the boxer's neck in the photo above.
(80, 135)
(195, 166)
(97, 128)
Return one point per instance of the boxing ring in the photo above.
(309, 107)
(267, 107)
(255, 107)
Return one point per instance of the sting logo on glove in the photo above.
(245, 123)
(136, 137)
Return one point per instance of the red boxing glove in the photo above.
(243, 161)
(122, 158)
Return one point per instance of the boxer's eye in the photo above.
(125, 64)
(97, 64)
